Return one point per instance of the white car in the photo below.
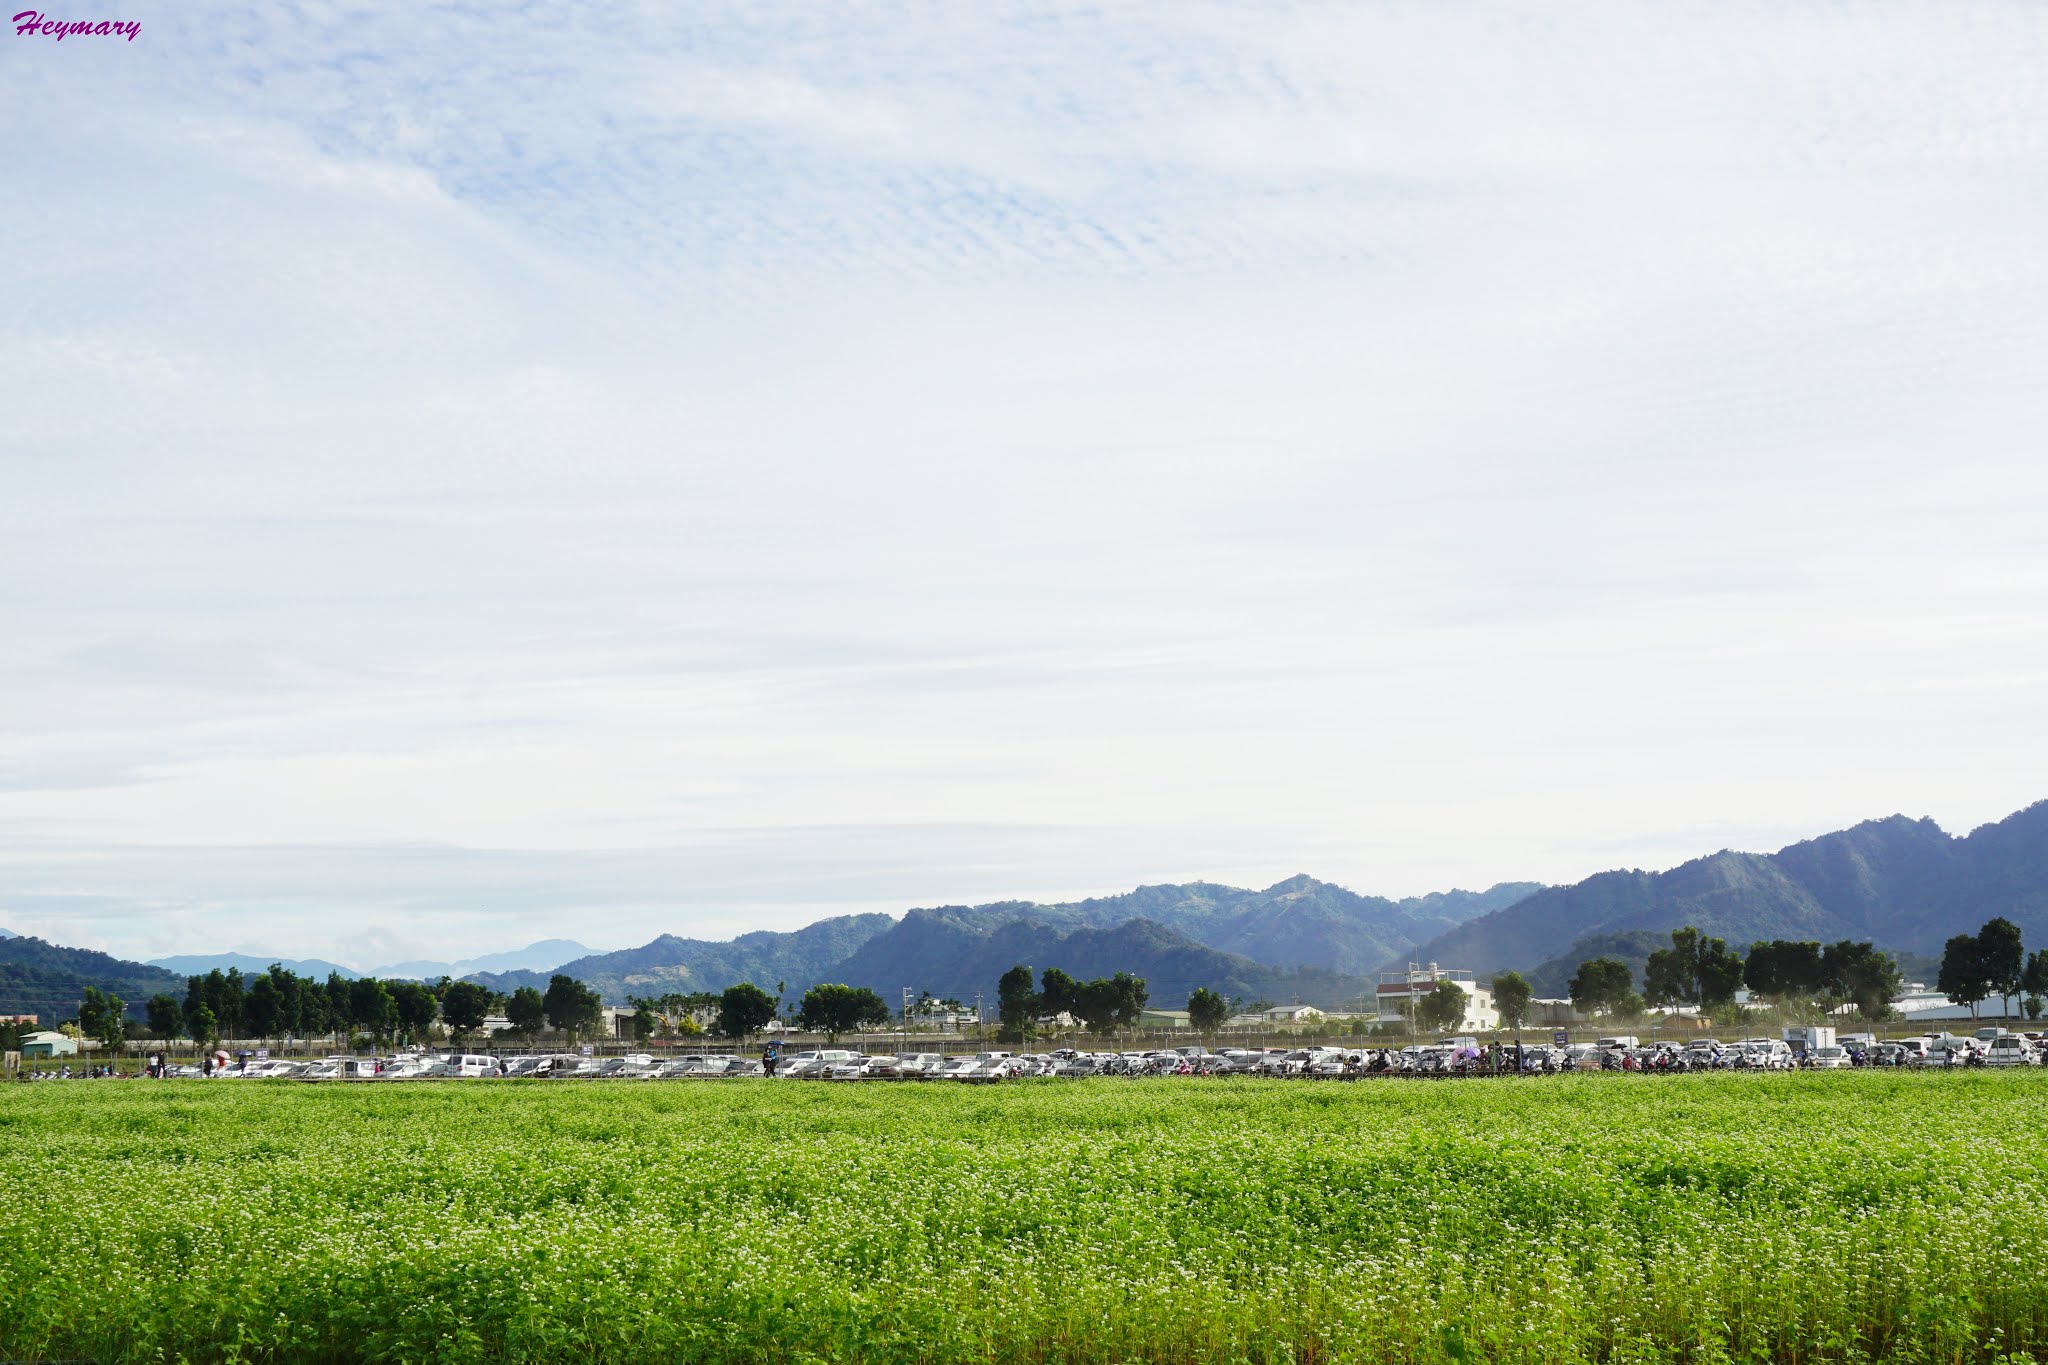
(2010, 1051)
(1828, 1058)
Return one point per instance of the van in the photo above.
(1623, 1040)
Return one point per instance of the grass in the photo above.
(1794, 1218)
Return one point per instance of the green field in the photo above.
(1792, 1218)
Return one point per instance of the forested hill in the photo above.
(1294, 923)
(1297, 937)
(681, 965)
(961, 953)
(48, 980)
(1903, 884)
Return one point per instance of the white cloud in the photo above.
(1040, 449)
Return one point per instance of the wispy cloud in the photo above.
(1413, 444)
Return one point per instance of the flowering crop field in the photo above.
(1795, 1218)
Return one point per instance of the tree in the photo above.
(1442, 1008)
(371, 1008)
(1600, 985)
(1207, 1010)
(1511, 997)
(201, 1024)
(524, 1011)
(464, 1007)
(166, 1018)
(1112, 1002)
(1056, 992)
(92, 1009)
(103, 1017)
(835, 1009)
(1672, 975)
(744, 1010)
(337, 1007)
(220, 992)
(1720, 975)
(114, 1026)
(2034, 981)
(2003, 956)
(308, 1007)
(1694, 970)
(1016, 1004)
(263, 1009)
(571, 1006)
(417, 1007)
(1858, 974)
(1783, 971)
(1964, 977)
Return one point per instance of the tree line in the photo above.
(1104, 1004)
(1994, 961)
(1700, 971)
(279, 1003)
(1704, 973)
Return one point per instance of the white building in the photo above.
(1916, 1005)
(1398, 992)
(49, 1044)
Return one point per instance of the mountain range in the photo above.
(548, 952)
(1297, 938)
(248, 964)
(1903, 884)
(672, 965)
(47, 979)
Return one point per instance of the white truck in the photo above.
(1807, 1038)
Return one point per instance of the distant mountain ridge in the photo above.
(1293, 923)
(1298, 937)
(1902, 884)
(682, 965)
(248, 964)
(547, 953)
(541, 956)
(48, 979)
(961, 952)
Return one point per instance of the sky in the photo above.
(472, 473)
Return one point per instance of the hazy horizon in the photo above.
(478, 477)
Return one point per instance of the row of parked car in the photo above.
(1451, 1057)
